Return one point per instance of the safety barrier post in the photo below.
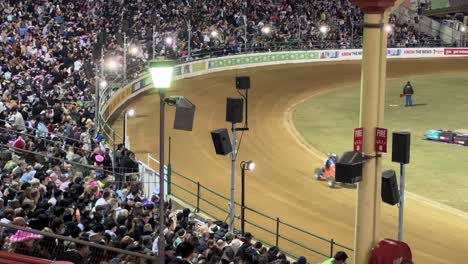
(198, 197)
(113, 153)
(332, 243)
(277, 230)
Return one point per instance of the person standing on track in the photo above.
(408, 93)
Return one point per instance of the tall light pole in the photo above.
(189, 48)
(245, 165)
(125, 58)
(128, 113)
(374, 62)
(161, 74)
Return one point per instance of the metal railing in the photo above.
(270, 230)
(51, 246)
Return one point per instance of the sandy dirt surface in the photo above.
(282, 184)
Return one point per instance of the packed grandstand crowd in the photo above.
(57, 175)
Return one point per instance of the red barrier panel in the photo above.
(13, 258)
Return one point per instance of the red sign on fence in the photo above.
(358, 137)
(381, 140)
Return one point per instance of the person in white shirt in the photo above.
(19, 123)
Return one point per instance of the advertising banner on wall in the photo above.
(457, 51)
(422, 52)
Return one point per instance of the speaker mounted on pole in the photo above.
(390, 193)
(401, 147)
(221, 141)
(234, 109)
(243, 82)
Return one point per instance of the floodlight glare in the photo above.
(134, 50)
(388, 28)
(266, 30)
(323, 29)
(131, 112)
(103, 84)
(161, 73)
(462, 29)
(169, 41)
(112, 64)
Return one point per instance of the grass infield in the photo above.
(436, 171)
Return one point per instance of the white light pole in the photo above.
(245, 165)
(161, 74)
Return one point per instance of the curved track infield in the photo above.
(282, 184)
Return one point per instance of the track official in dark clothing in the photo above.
(408, 93)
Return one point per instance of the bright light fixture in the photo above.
(169, 40)
(112, 64)
(248, 165)
(134, 50)
(266, 30)
(131, 112)
(462, 29)
(162, 73)
(323, 29)
(388, 28)
(251, 165)
(103, 84)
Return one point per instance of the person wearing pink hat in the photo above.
(22, 242)
(99, 158)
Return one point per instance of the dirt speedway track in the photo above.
(282, 184)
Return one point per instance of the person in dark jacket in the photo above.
(408, 93)
(76, 256)
(184, 253)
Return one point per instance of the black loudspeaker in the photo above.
(184, 116)
(243, 82)
(390, 192)
(234, 109)
(416, 19)
(349, 168)
(401, 147)
(221, 141)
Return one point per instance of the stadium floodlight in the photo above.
(388, 28)
(214, 33)
(169, 41)
(266, 30)
(103, 84)
(162, 73)
(324, 29)
(248, 165)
